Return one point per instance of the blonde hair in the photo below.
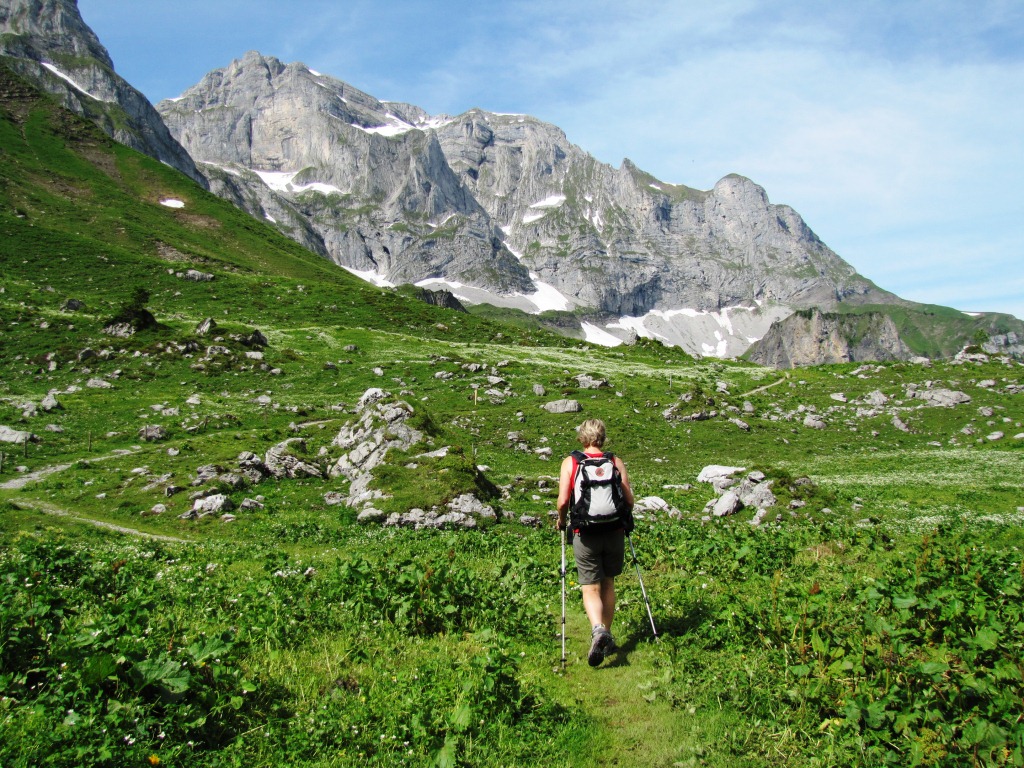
(591, 432)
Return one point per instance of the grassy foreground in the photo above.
(873, 619)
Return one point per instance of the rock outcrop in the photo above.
(814, 337)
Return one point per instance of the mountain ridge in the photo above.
(497, 208)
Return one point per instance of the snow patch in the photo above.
(70, 81)
(172, 203)
(370, 276)
(596, 335)
(529, 218)
(281, 181)
(552, 201)
(547, 297)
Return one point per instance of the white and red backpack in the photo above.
(597, 500)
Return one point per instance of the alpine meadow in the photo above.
(255, 511)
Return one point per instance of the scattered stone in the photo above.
(587, 382)
(281, 462)
(814, 422)
(530, 521)
(251, 505)
(741, 424)
(206, 327)
(714, 471)
(727, 504)
(195, 276)
(838, 396)
(941, 398)
(876, 398)
(54, 428)
(994, 436)
(99, 384)
(539, 390)
(72, 305)
(9, 435)
(900, 424)
(50, 403)
(563, 406)
(151, 433)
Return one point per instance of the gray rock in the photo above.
(942, 398)
(152, 433)
(206, 327)
(814, 422)
(586, 381)
(195, 276)
(714, 471)
(50, 403)
(741, 424)
(216, 504)
(99, 384)
(563, 406)
(993, 436)
(10, 435)
(900, 424)
(539, 390)
(281, 460)
(727, 504)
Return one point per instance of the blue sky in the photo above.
(894, 127)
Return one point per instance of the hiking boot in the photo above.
(611, 647)
(600, 640)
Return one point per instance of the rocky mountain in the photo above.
(495, 208)
(504, 209)
(813, 337)
(48, 42)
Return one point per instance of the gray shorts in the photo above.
(599, 554)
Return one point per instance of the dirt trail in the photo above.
(766, 386)
(640, 725)
(22, 481)
(50, 509)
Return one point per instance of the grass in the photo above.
(877, 624)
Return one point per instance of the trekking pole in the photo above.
(642, 590)
(563, 599)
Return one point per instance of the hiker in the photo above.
(595, 503)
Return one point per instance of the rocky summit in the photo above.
(48, 42)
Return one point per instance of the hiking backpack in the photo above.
(597, 499)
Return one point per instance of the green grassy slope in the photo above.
(877, 624)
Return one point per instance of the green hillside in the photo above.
(873, 618)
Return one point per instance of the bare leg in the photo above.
(607, 602)
(592, 603)
(599, 602)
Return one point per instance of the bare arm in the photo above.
(627, 489)
(564, 489)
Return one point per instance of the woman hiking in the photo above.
(595, 503)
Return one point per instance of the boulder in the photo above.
(588, 382)
(942, 398)
(151, 433)
(9, 435)
(713, 471)
(50, 403)
(728, 503)
(563, 406)
(206, 327)
(281, 461)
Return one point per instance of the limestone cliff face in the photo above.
(492, 200)
(814, 337)
(378, 193)
(48, 42)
